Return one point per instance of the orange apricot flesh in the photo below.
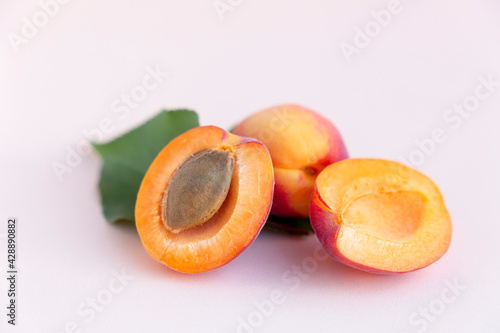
(301, 143)
(379, 216)
(240, 215)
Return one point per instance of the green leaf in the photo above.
(289, 225)
(127, 158)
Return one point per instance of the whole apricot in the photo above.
(301, 143)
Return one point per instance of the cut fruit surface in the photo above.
(379, 216)
(204, 199)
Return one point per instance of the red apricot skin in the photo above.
(301, 143)
(232, 229)
(354, 244)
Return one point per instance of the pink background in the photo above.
(396, 90)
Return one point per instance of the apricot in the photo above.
(204, 199)
(301, 143)
(379, 216)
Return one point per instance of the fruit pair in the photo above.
(208, 193)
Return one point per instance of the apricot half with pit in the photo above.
(204, 199)
(301, 143)
(379, 216)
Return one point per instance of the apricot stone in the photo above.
(197, 189)
(301, 143)
(379, 216)
(204, 199)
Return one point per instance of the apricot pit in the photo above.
(197, 189)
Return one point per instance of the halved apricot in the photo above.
(379, 216)
(204, 199)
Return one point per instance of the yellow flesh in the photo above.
(391, 217)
